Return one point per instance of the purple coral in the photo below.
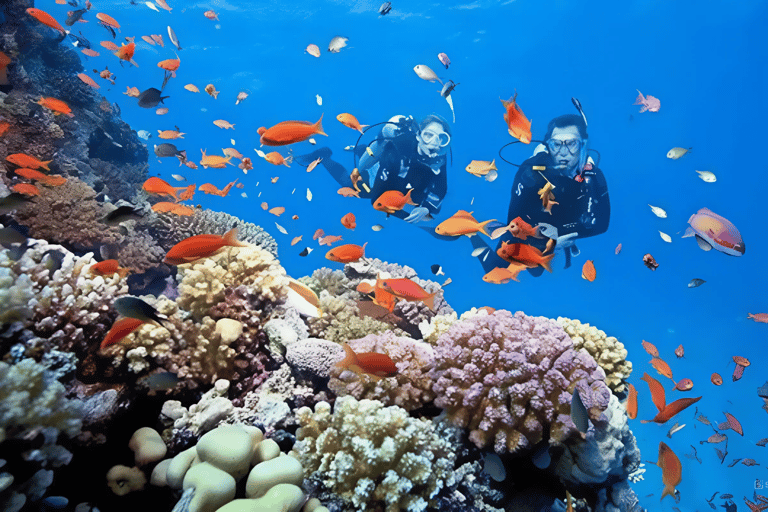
(508, 377)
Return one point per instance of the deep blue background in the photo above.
(705, 60)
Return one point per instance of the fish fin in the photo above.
(319, 127)
(546, 262)
(493, 165)
(230, 237)
(350, 358)
(688, 232)
(639, 99)
(482, 227)
(429, 301)
(703, 244)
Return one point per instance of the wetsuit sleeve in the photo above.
(594, 221)
(434, 197)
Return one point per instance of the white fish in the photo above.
(425, 73)
(178, 177)
(676, 153)
(244, 195)
(450, 104)
(312, 141)
(281, 229)
(174, 39)
(479, 251)
(232, 141)
(676, 428)
(337, 43)
(144, 134)
(152, 6)
(472, 202)
(319, 99)
(377, 227)
(309, 195)
(349, 148)
(260, 153)
(707, 176)
(665, 237)
(659, 212)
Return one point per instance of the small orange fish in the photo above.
(346, 253)
(759, 317)
(58, 107)
(519, 126)
(521, 229)
(618, 249)
(214, 161)
(462, 223)
(276, 158)
(662, 367)
(170, 134)
(132, 92)
(4, 125)
(88, 80)
(188, 193)
(89, 53)
(671, 470)
(109, 45)
(319, 233)
(163, 5)
(30, 162)
(734, 424)
(26, 189)
(588, 271)
(525, 254)
(672, 409)
(351, 121)
(328, 240)
(658, 396)
(158, 187)
(223, 124)
(126, 52)
(296, 239)
(120, 329)
(170, 65)
(233, 153)
(211, 189)
(201, 246)
(632, 402)
(174, 208)
(108, 268)
(161, 112)
(46, 19)
(408, 290)
(107, 20)
(55, 180)
(158, 38)
(246, 164)
(680, 351)
(373, 364)
(392, 201)
(211, 15)
(313, 164)
(650, 348)
(348, 192)
(349, 221)
(716, 379)
(502, 275)
(148, 40)
(277, 210)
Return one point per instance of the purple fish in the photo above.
(444, 59)
(712, 230)
(648, 103)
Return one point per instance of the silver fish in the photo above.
(377, 227)
(479, 251)
(174, 39)
(676, 428)
(676, 152)
(696, 282)
(385, 8)
(707, 176)
(448, 88)
(337, 43)
(144, 134)
(659, 212)
(152, 6)
(425, 73)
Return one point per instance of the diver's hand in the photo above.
(566, 240)
(417, 214)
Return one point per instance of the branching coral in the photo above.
(508, 377)
(340, 321)
(367, 453)
(609, 352)
(410, 388)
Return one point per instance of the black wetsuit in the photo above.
(583, 207)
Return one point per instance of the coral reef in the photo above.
(508, 377)
(341, 322)
(366, 452)
(609, 352)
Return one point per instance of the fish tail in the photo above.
(429, 301)
(230, 237)
(318, 127)
(350, 358)
(668, 491)
(546, 262)
(482, 225)
(45, 165)
(493, 166)
(640, 98)
(408, 199)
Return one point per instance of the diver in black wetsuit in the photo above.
(405, 155)
(583, 208)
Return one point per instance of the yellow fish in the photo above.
(214, 161)
(481, 167)
(462, 223)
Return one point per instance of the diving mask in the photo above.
(556, 145)
(437, 138)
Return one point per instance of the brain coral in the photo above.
(609, 352)
(509, 377)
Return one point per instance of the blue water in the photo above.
(704, 60)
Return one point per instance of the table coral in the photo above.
(410, 388)
(508, 377)
(202, 283)
(366, 453)
(609, 352)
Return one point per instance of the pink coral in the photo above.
(509, 377)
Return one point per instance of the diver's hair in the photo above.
(565, 121)
(434, 118)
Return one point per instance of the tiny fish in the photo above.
(676, 428)
(319, 99)
(425, 73)
(437, 270)
(377, 227)
(243, 194)
(144, 134)
(178, 177)
(762, 442)
(696, 282)
(677, 152)
(309, 195)
(725, 496)
(618, 249)
(281, 229)
(152, 6)
(121, 214)
(447, 282)
(162, 381)
(337, 43)
(349, 148)
(579, 414)
(133, 307)
(479, 251)
(306, 251)
(665, 237)
(734, 462)
(707, 176)
(680, 351)
(659, 212)
(444, 59)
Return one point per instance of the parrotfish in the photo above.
(712, 230)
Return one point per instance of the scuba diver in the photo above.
(580, 207)
(404, 155)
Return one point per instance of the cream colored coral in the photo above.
(202, 283)
(609, 352)
(440, 324)
(365, 452)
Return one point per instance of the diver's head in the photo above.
(433, 137)
(566, 141)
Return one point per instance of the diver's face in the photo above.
(562, 155)
(432, 139)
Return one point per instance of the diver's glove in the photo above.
(417, 214)
(566, 241)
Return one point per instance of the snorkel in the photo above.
(585, 140)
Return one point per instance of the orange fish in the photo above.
(373, 364)
(233, 153)
(351, 121)
(521, 229)
(163, 5)
(120, 329)
(26, 189)
(734, 424)
(276, 158)
(289, 132)
(148, 40)
(55, 180)
(759, 317)
(348, 192)
(526, 254)
(348, 221)
(211, 189)
(132, 92)
(319, 233)
(214, 161)
(158, 187)
(30, 162)
(88, 80)
(328, 240)
(211, 15)
(462, 223)
(408, 290)
(393, 200)
(201, 246)
(174, 208)
(650, 348)
(89, 53)
(657, 392)
(672, 409)
(107, 21)
(170, 134)
(188, 193)
(4, 125)
(671, 470)
(588, 271)
(716, 379)
(684, 385)
(680, 351)
(662, 367)
(632, 402)
(4, 61)
(109, 45)
(126, 51)
(57, 106)
(46, 19)
(277, 210)
(246, 164)
(502, 275)
(519, 126)
(108, 268)
(170, 65)
(346, 253)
